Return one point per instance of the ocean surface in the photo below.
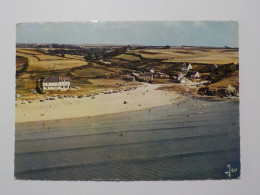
(194, 139)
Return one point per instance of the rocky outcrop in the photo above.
(220, 92)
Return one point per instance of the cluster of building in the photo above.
(144, 76)
(180, 77)
(139, 76)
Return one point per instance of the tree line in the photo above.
(90, 53)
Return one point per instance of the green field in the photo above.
(92, 72)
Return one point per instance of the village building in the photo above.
(195, 76)
(146, 76)
(189, 67)
(56, 83)
(185, 68)
(161, 75)
(177, 76)
(128, 78)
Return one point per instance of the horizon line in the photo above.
(111, 44)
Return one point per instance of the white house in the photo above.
(56, 83)
(196, 75)
(189, 67)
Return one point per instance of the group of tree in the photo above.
(89, 54)
(101, 53)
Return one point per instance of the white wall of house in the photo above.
(189, 67)
(56, 85)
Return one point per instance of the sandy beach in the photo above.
(145, 96)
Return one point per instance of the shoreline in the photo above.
(88, 117)
(195, 94)
(48, 124)
(143, 97)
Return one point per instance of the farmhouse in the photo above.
(56, 83)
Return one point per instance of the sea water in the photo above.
(192, 139)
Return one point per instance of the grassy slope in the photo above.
(232, 80)
(128, 57)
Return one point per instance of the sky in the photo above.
(156, 33)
